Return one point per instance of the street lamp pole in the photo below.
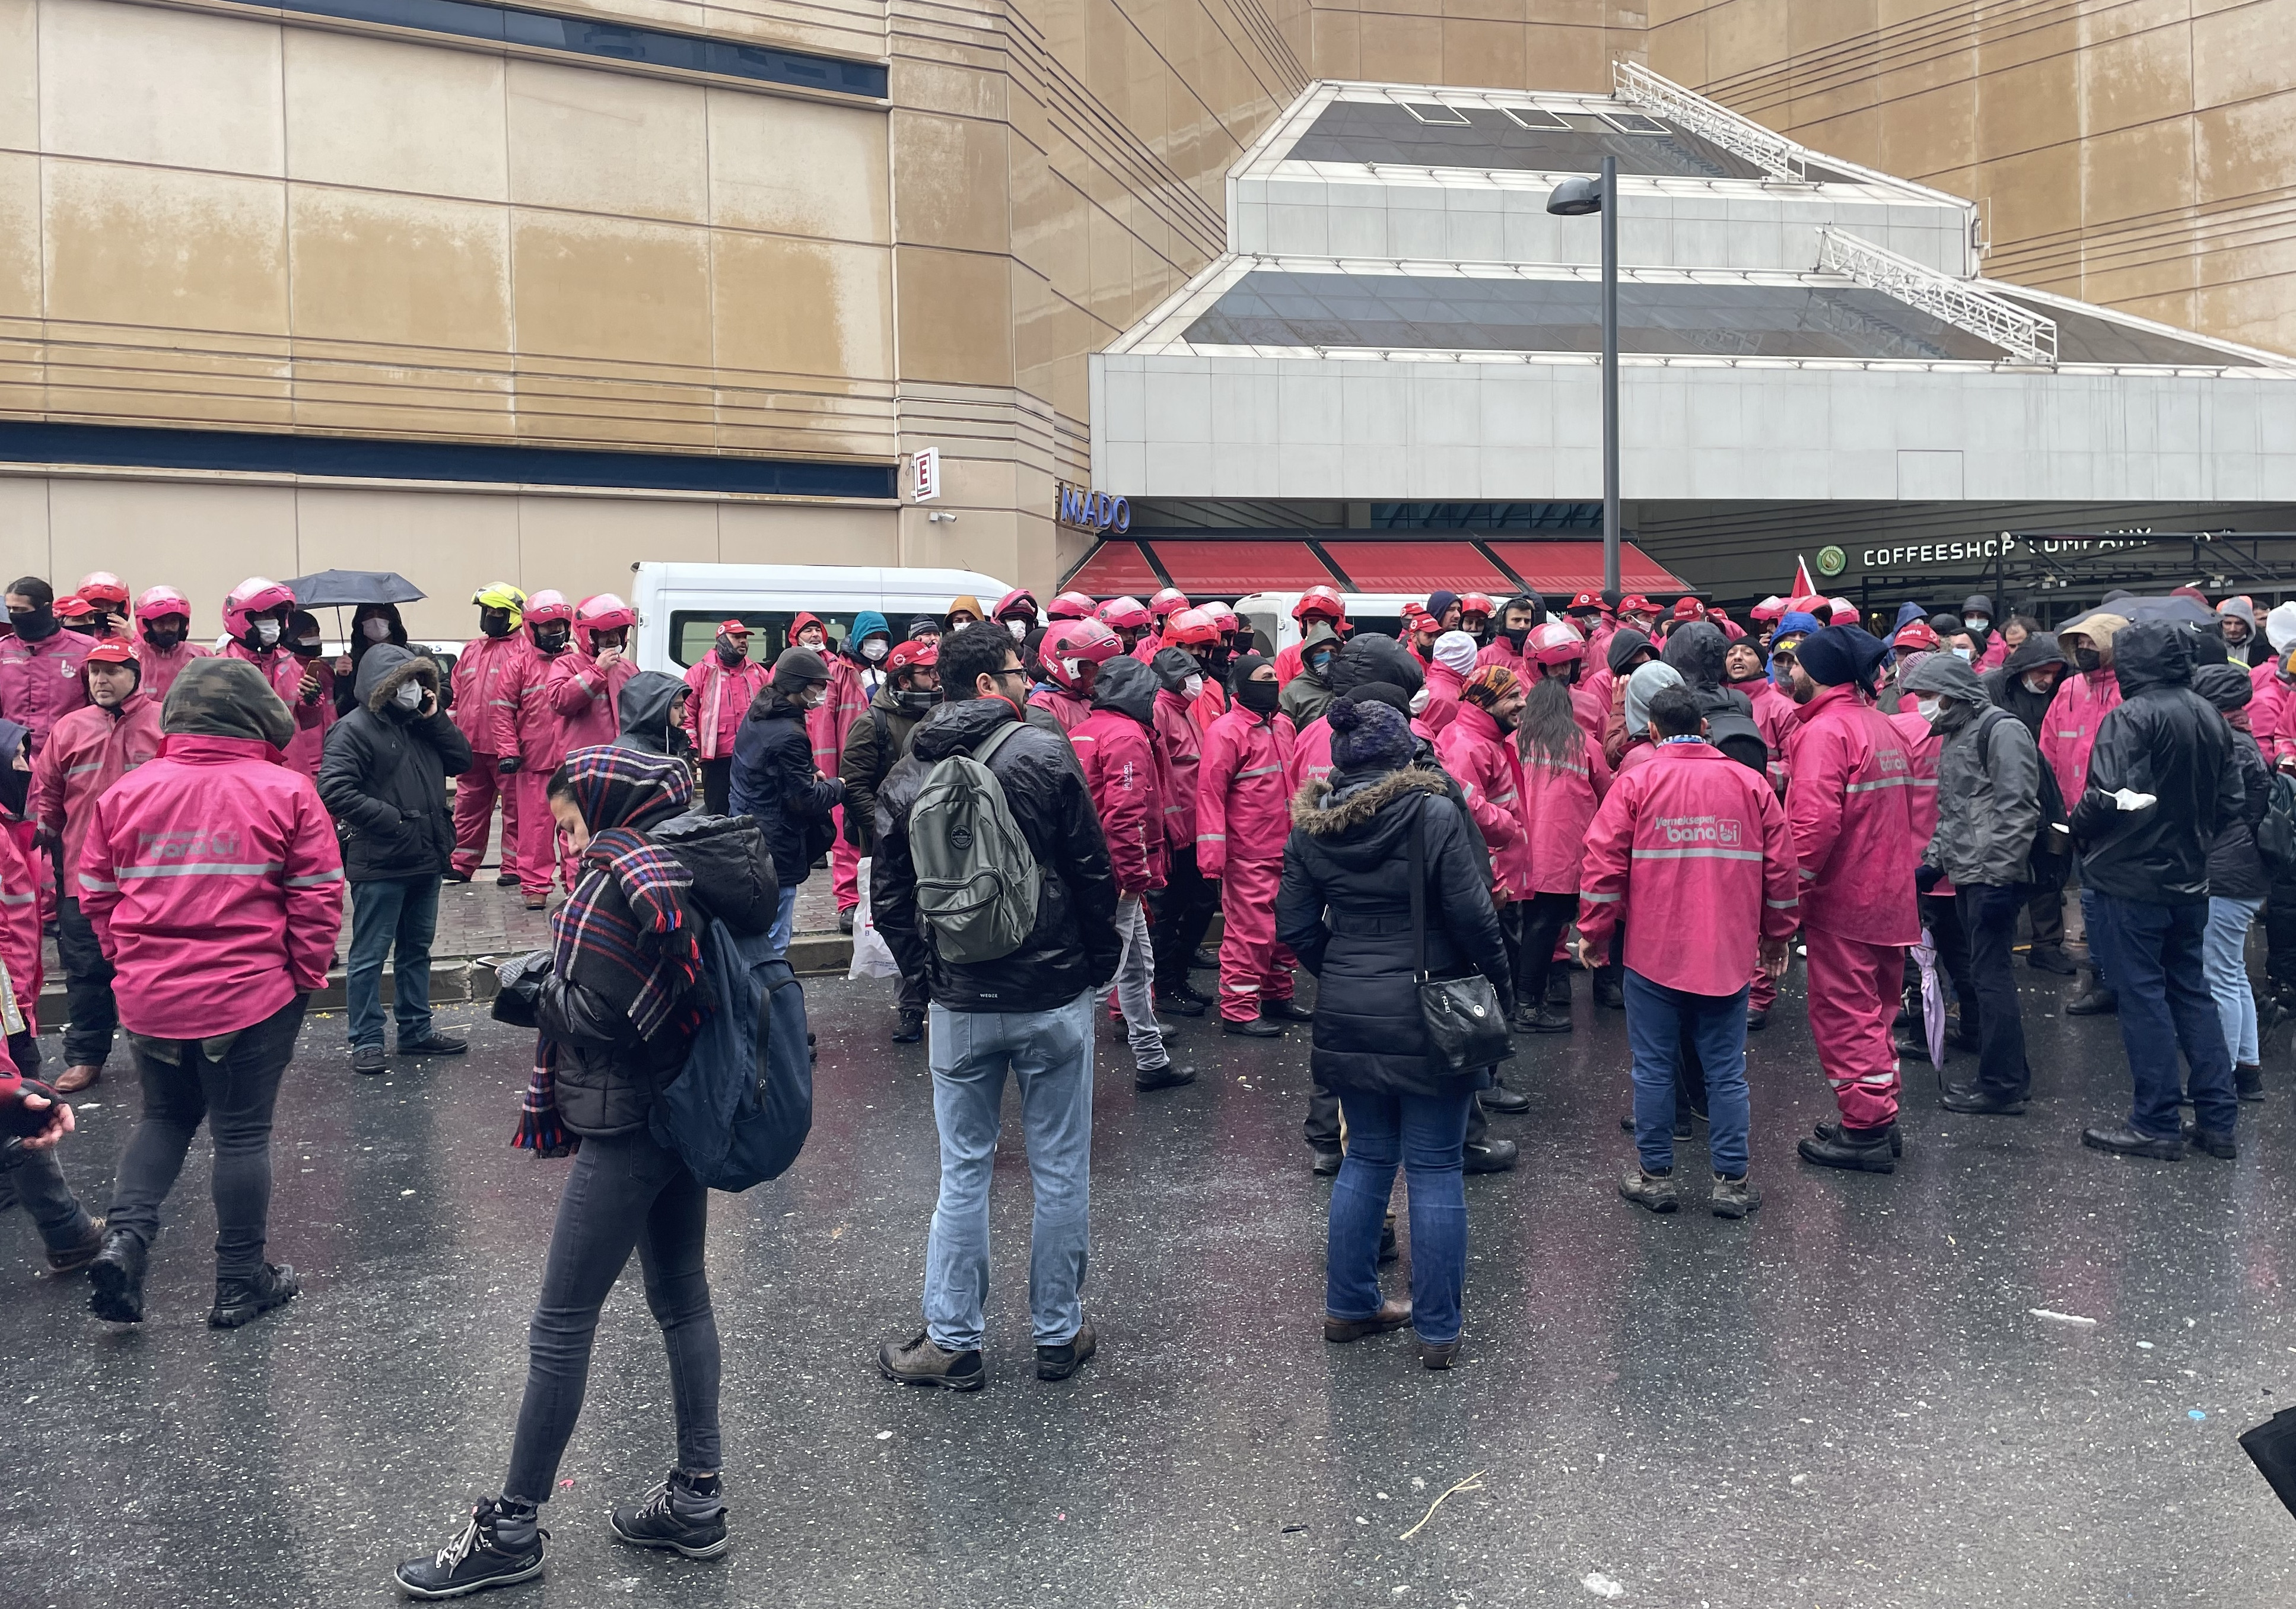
(1576, 197)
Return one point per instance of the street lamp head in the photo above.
(1576, 197)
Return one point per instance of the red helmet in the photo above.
(161, 602)
(1808, 603)
(1914, 635)
(1770, 608)
(1071, 606)
(102, 587)
(1018, 598)
(545, 606)
(1126, 614)
(1843, 613)
(1168, 603)
(911, 656)
(1475, 602)
(1634, 602)
(1320, 600)
(1586, 600)
(604, 612)
(1556, 643)
(257, 595)
(1090, 641)
(1189, 627)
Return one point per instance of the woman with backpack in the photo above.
(618, 1009)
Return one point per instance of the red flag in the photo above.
(1803, 586)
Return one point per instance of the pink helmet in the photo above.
(604, 612)
(1770, 608)
(1126, 614)
(1071, 606)
(1223, 618)
(102, 587)
(1169, 602)
(1187, 626)
(1555, 643)
(256, 595)
(1018, 598)
(545, 606)
(1843, 613)
(159, 602)
(1090, 640)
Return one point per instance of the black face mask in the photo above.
(1514, 636)
(1217, 659)
(2089, 659)
(164, 638)
(1258, 697)
(15, 789)
(730, 654)
(306, 652)
(36, 625)
(550, 639)
(495, 622)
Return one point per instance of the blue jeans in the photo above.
(784, 919)
(2224, 955)
(395, 916)
(2155, 953)
(1425, 1134)
(1658, 1020)
(1049, 1053)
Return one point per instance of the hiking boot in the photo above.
(2247, 1081)
(1653, 1190)
(502, 1545)
(685, 1514)
(72, 1258)
(1393, 1314)
(76, 1079)
(1490, 1156)
(2122, 1140)
(1558, 990)
(368, 1059)
(1178, 1004)
(1439, 1354)
(909, 1027)
(1734, 1197)
(918, 1361)
(1826, 1128)
(430, 1042)
(118, 1275)
(1286, 1010)
(1545, 1019)
(2052, 959)
(2222, 1146)
(1253, 1028)
(1969, 1098)
(1857, 1150)
(2096, 1001)
(1505, 1102)
(1170, 1076)
(1327, 1161)
(238, 1300)
(1611, 991)
(1059, 1362)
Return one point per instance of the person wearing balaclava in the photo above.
(1977, 618)
(1853, 823)
(2025, 685)
(384, 779)
(316, 714)
(2068, 734)
(371, 623)
(40, 666)
(1184, 908)
(1628, 650)
(775, 780)
(725, 681)
(1242, 820)
(877, 743)
(1517, 618)
(214, 969)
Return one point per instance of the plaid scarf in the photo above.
(627, 933)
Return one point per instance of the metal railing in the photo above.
(2024, 333)
(1711, 122)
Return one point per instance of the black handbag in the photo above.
(1464, 1020)
(2272, 1446)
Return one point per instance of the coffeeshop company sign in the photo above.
(1090, 510)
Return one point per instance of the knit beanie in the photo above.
(1367, 737)
(1455, 652)
(1840, 654)
(1646, 683)
(798, 667)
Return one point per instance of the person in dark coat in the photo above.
(382, 776)
(775, 782)
(652, 709)
(877, 743)
(1344, 907)
(2238, 880)
(2024, 685)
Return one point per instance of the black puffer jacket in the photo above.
(2236, 868)
(872, 748)
(1345, 909)
(382, 775)
(2165, 740)
(774, 782)
(1074, 946)
(607, 1076)
(2007, 686)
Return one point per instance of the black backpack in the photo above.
(2275, 834)
(739, 1112)
(2050, 859)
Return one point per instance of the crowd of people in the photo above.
(1442, 827)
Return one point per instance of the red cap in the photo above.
(909, 656)
(1914, 633)
(732, 629)
(1634, 602)
(1688, 609)
(111, 651)
(73, 609)
(1585, 600)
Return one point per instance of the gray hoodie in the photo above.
(1989, 779)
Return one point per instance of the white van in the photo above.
(680, 607)
(1369, 613)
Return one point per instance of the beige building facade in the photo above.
(282, 289)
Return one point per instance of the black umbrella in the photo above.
(348, 588)
(2189, 611)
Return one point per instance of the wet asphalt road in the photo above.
(1841, 1401)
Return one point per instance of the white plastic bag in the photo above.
(871, 957)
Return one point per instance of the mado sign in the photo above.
(1094, 511)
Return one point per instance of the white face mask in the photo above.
(409, 695)
(1194, 687)
(1018, 628)
(377, 630)
(2038, 681)
(267, 632)
(1928, 706)
(1964, 653)
(1977, 622)
(874, 649)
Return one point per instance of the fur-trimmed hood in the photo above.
(386, 668)
(1322, 810)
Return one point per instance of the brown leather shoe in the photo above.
(1392, 1315)
(76, 1079)
(1439, 1354)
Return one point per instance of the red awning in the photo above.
(1574, 566)
(1420, 567)
(1112, 570)
(1230, 567)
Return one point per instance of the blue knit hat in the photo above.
(1368, 736)
(1840, 654)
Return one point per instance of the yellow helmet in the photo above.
(501, 594)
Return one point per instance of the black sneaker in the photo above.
(454, 876)
(918, 1361)
(2052, 959)
(1203, 960)
(1179, 1004)
(1505, 1102)
(72, 1258)
(2247, 1081)
(1612, 992)
(238, 1300)
(1757, 1021)
(676, 1514)
(430, 1042)
(2096, 1001)
(1558, 990)
(500, 1547)
(1059, 1362)
(910, 1028)
(2222, 1146)
(1969, 1098)
(1171, 1075)
(1253, 1028)
(1490, 1156)
(118, 1275)
(368, 1059)
(1545, 1019)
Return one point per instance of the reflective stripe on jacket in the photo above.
(721, 698)
(489, 682)
(90, 749)
(1243, 807)
(588, 700)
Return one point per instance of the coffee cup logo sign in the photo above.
(1832, 560)
(1089, 510)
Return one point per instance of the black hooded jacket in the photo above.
(2165, 740)
(774, 782)
(382, 775)
(643, 708)
(1697, 651)
(2005, 685)
(1074, 945)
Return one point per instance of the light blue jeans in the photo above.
(1049, 1053)
(784, 919)
(2224, 955)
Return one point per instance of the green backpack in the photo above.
(976, 878)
